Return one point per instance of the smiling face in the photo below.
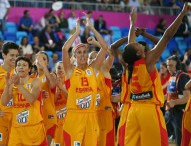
(11, 57)
(81, 55)
(22, 68)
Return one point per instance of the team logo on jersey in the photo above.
(10, 103)
(61, 113)
(29, 86)
(98, 98)
(56, 144)
(88, 72)
(84, 102)
(23, 117)
(77, 143)
(44, 79)
(1, 137)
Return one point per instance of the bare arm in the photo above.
(180, 101)
(96, 64)
(68, 67)
(169, 33)
(50, 76)
(31, 96)
(188, 85)
(7, 12)
(7, 93)
(133, 19)
(116, 52)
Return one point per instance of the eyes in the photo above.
(82, 52)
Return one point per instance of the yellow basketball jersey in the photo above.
(103, 101)
(60, 105)
(8, 108)
(125, 93)
(144, 86)
(24, 113)
(82, 90)
(48, 104)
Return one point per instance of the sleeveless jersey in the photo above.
(48, 104)
(82, 90)
(103, 101)
(3, 73)
(60, 105)
(144, 86)
(24, 113)
(125, 96)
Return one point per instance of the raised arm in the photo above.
(96, 64)
(7, 93)
(50, 76)
(133, 19)
(68, 66)
(169, 33)
(116, 52)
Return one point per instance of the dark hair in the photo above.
(144, 44)
(25, 12)
(129, 55)
(43, 52)
(9, 46)
(24, 37)
(178, 62)
(24, 59)
(164, 64)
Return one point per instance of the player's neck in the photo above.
(7, 67)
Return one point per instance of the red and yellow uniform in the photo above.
(48, 106)
(144, 116)
(186, 126)
(5, 121)
(105, 111)
(125, 100)
(80, 126)
(60, 112)
(27, 127)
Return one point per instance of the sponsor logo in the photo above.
(142, 96)
(56, 144)
(10, 103)
(50, 116)
(98, 99)
(77, 143)
(61, 113)
(1, 137)
(84, 102)
(29, 86)
(23, 117)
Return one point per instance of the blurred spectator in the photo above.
(85, 35)
(53, 61)
(100, 25)
(26, 22)
(36, 46)
(72, 21)
(44, 21)
(1, 45)
(134, 3)
(187, 60)
(60, 42)
(4, 11)
(53, 20)
(183, 30)
(108, 38)
(47, 39)
(161, 27)
(63, 25)
(26, 47)
(155, 3)
(77, 40)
